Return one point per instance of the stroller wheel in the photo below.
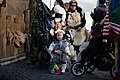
(77, 69)
(89, 67)
(112, 71)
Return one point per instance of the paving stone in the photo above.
(22, 71)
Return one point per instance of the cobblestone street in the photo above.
(22, 71)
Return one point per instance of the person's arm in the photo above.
(51, 47)
(67, 50)
(52, 50)
(83, 21)
(63, 17)
(67, 14)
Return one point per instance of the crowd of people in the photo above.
(67, 33)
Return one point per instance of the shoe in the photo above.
(63, 71)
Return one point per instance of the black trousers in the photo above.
(76, 48)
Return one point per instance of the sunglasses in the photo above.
(73, 5)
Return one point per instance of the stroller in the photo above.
(98, 54)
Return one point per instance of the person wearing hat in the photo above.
(67, 37)
(75, 22)
(59, 50)
(57, 25)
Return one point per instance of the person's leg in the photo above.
(76, 48)
(54, 65)
(74, 56)
(63, 67)
(63, 59)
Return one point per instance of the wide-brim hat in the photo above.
(59, 30)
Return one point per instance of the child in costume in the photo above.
(59, 50)
(67, 37)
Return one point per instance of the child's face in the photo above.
(59, 36)
(58, 25)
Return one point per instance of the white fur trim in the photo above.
(60, 31)
(52, 32)
(58, 19)
(58, 9)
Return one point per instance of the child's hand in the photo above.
(58, 51)
(79, 29)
